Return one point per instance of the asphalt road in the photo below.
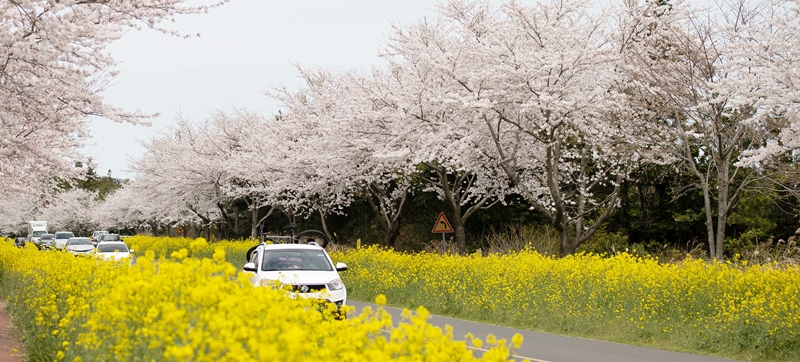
(543, 347)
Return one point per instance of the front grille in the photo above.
(308, 288)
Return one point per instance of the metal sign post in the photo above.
(442, 226)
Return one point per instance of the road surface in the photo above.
(543, 347)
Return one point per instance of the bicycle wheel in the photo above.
(313, 236)
(250, 253)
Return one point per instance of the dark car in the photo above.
(96, 236)
(108, 237)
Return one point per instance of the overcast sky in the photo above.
(245, 48)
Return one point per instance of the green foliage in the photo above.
(518, 237)
(91, 181)
(652, 213)
(604, 242)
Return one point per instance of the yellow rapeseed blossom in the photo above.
(195, 309)
(728, 306)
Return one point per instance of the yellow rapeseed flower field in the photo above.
(725, 308)
(183, 301)
(730, 308)
(173, 306)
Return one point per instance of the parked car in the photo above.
(80, 246)
(96, 236)
(60, 239)
(305, 268)
(46, 241)
(112, 250)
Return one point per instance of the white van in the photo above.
(35, 231)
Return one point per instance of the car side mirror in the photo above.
(341, 266)
(250, 267)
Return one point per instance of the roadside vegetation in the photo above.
(732, 309)
(735, 309)
(183, 308)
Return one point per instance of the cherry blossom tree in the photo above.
(181, 175)
(378, 137)
(124, 208)
(262, 168)
(765, 53)
(441, 141)
(331, 157)
(383, 168)
(17, 210)
(71, 210)
(685, 67)
(539, 82)
(53, 68)
(240, 140)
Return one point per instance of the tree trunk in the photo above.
(454, 194)
(225, 221)
(254, 222)
(236, 224)
(460, 236)
(390, 236)
(325, 226)
(454, 208)
(567, 246)
(558, 214)
(387, 213)
(723, 205)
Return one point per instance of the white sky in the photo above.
(246, 47)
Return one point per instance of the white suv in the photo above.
(306, 268)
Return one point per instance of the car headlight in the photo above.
(335, 284)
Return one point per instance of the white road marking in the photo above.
(513, 355)
(486, 350)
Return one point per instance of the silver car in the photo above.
(96, 236)
(80, 246)
(60, 240)
(46, 241)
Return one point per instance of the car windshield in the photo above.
(295, 260)
(109, 237)
(112, 247)
(81, 241)
(38, 233)
(47, 236)
(64, 235)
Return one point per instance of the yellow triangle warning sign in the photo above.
(442, 225)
